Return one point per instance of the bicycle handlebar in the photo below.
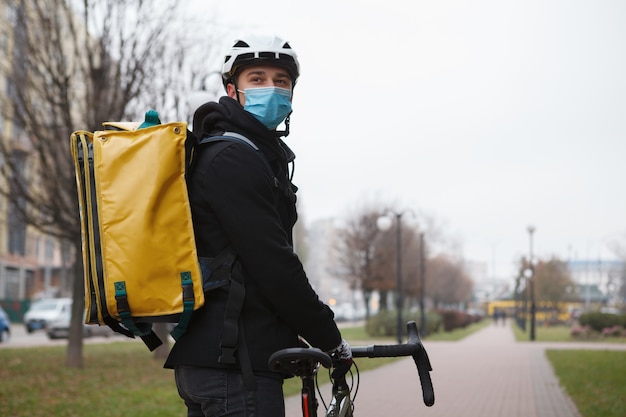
(302, 362)
(412, 348)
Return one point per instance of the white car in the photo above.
(60, 328)
(44, 311)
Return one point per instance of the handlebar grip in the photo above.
(384, 351)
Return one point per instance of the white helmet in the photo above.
(260, 49)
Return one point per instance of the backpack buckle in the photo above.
(228, 355)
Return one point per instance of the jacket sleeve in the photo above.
(239, 188)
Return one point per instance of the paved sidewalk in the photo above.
(487, 374)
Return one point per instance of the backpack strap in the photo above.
(229, 136)
(236, 137)
(143, 330)
(188, 305)
(233, 343)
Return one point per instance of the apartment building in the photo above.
(31, 265)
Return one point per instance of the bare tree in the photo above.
(75, 65)
(368, 256)
(446, 282)
(361, 257)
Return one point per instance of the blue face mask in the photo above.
(270, 105)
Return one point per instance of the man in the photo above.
(243, 203)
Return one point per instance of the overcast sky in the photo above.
(487, 115)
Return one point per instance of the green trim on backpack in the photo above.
(123, 309)
(188, 305)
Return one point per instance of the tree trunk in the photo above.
(74, 357)
(383, 300)
(367, 296)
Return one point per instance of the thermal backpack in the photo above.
(138, 246)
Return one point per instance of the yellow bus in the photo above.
(544, 312)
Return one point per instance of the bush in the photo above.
(614, 331)
(385, 323)
(580, 332)
(434, 322)
(599, 321)
(453, 319)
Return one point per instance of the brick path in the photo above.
(487, 374)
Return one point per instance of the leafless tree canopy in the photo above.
(446, 282)
(368, 258)
(76, 65)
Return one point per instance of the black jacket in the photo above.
(236, 202)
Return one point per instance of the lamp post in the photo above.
(422, 286)
(384, 224)
(530, 274)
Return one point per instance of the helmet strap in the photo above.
(285, 132)
(233, 81)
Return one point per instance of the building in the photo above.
(31, 263)
(322, 269)
(599, 278)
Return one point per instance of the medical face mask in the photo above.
(270, 105)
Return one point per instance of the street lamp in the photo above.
(530, 274)
(384, 223)
(422, 286)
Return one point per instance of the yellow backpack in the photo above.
(138, 246)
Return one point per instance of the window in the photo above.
(12, 289)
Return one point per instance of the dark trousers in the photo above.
(210, 392)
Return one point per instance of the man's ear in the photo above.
(231, 90)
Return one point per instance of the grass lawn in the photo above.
(594, 379)
(559, 334)
(119, 379)
(458, 334)
(543, 334)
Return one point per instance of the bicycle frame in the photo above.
(305, 362)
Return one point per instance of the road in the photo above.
(19, 338)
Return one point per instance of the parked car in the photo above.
(45, 311)
(5, 326)
(60, 328)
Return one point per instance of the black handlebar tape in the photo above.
(384, 351)
(419, 357)
(422, 363)
(413, 348)
(423, 369)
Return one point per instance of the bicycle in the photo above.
(305, 363)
